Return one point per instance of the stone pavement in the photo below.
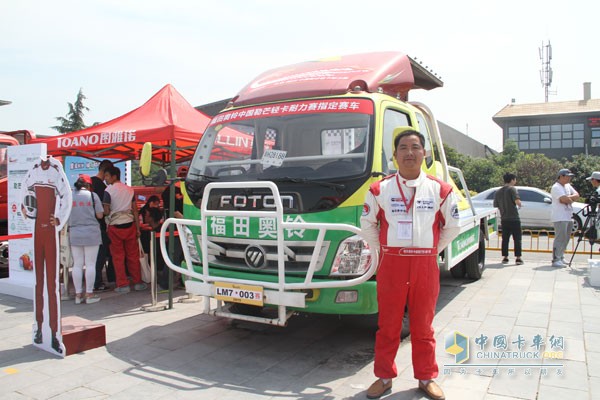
(180, 354)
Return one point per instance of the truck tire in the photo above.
(459, 270)
(475, 262)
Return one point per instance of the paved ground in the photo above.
(179, 353)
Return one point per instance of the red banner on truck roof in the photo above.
(362, 106)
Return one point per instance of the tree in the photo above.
(582, 166)
(536, 170)
(481, 174)
(74, 118)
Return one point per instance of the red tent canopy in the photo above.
(167, 120)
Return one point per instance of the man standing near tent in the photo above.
(104, 258)
(123, 230)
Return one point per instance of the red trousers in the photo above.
(124, 247)
(45, 265)
(412, 281)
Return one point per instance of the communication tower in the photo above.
(546, 71)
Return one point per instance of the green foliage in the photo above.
(534, 169)
(582, 166)
(481, 174)
(454, 158)
(74, 118)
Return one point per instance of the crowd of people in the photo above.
(106, 231)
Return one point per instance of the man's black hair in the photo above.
(155, 216)
(104, 165)
(152, 199)
(508, 177)
(410, 132)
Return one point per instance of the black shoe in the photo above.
(505, 260)
(519, 261)
(56, 345)
(101, 288)
(37, 339)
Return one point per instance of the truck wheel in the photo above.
(475, 262)
(459, 270)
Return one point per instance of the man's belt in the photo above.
(409, 251)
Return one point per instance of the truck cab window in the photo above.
(391, 120)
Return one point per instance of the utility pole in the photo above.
(546, 72)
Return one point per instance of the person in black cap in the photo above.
(563, 195)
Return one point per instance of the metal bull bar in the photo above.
(280, 293)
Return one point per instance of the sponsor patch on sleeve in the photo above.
(455, 211)
(366, 210)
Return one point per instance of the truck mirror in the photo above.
(146, 159)
(392, 166)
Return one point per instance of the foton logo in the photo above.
(255, 256)
(254, 201)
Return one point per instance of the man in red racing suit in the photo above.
(410, 217)
(47, 184)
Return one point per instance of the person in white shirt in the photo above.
(563, 195)
(123, 228)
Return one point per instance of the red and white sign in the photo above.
(362, 106)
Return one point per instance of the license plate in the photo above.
(236, 293)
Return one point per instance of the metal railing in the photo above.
(540, 241)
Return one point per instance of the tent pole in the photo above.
(173, 174)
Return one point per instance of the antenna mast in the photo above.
(546, 71)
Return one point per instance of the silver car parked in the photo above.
(536, 207)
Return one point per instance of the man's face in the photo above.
(564, 179)
(154, 204)
(109, 178)
(409, 154)
(594, 182)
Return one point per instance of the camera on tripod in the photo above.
(593, 198)
(592, 201)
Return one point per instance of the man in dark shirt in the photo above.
(507, 200)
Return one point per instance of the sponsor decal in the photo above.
(366, 210)
(424, 205)
(102, 138)
(454, 211)
(297, 107)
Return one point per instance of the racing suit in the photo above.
(47, 181)
(410, 221)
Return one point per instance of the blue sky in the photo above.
(122, 52)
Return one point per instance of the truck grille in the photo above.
(232, 253)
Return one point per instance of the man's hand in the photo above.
(54, 221)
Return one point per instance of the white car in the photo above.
(536, 206)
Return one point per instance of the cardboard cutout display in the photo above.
(47, 199)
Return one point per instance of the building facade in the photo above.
(556, 129)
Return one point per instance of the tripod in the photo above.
(588, 229)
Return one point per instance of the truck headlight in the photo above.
(191, 245)
(353, 257)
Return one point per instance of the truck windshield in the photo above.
(295, 142)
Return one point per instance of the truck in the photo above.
(275, 190)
